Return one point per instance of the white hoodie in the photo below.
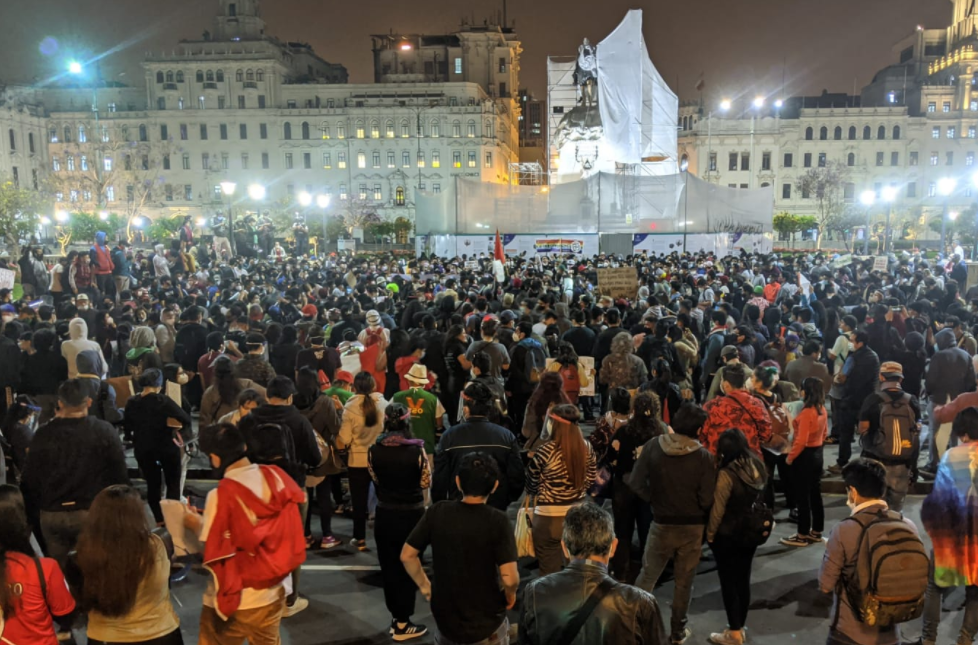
(78, 332)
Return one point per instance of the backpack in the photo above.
(534, 362)
(757, 524)
(898, 437)
(890, 578)
(571, 378)
(780, 426)
(272, 444)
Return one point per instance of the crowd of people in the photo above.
(430, 399)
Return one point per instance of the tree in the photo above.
(360, 213)
(164, 228)
(845, 222)
(785, 224)
(20, 210)
(826, 185)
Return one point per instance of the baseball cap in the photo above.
(729, 352)
(8, 309)
(891, 370)
(342, 375)
(507, 316)
(310, 311)
(758, 289)
(82, 296)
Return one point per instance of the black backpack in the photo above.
(757, 524)
(272, 444)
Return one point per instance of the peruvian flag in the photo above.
(497, 253)
(498, 259)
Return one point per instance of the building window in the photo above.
(239, 76)
(107, 164)
(264, 160)
(823, 133)
(262, 131)
(143, 134)
(261, 101)
(896, 133)
(341, 160)
(894, 158)
(471, 129)
(406, 159)
(224, 161)
(436, 189)
(881, 133)
(374, 130)
(849, 191)
(805, 193)
(359, 130)
(969, 159)
(166, 161)
(361, 160)
(183, 132)
(241, 102)
(224, 131)
(488, 160)
(220, 103)
(324, 130)
(933, 158)
(471, 159)
(914, 157)
(866, 133)
(809, 133)
(201, 103)
(378, 193)
(168, 191)
(128, 162)
(931, 189)
(399, 196)
(935, 132)
(788, 160)
(161, 103)
(307, 160)
(343, 194)
(946, 107)
(932, 107)
(287, 131)
(745, 161)
(110, 193)
(188, 192)
(391, 159)
(435, 159)
(375, 159)
(971, 132)
(205, 161)
(951, 132)
(879, 158)
(821, 160)
(852, 133)
(785, 191)
(713, 162)
(305, 130)
(389, 129)
(458, 65)
(243, 131)
(203, 132)
(851, 159)
(288, 160)
(808, 160)
(949, 159)
(912, 189)
(186, 162)
(362, 191)
(732, 161)
(84, 162)
(456, 129)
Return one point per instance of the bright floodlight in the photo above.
(725, 104)
(953, 215)
(945, 185)
(45, 220)
(201, 221)
(61, 216)
(256, 192)
(322, 201)
(406, 47)
(75, 67)
(137, 221)
(227, 187)
(305, 198)
(888, 193)
(103, 215)
(867, 197)
(778, 103)
(759, 102)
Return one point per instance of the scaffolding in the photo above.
(562, 97)
(526, 173)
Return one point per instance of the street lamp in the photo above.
(945, 186)
(103, 216)
(228, 188)
(256, 192)
(867, 197)
(77, 69)
(889, 195)
(322, 201)
(305, 198)
(74, 67)
(62, 216)
(758, 104)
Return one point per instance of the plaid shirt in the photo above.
(736, 410)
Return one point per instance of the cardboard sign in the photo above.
(618, 283)
(6, 279)
(842, 261)
(880, 262)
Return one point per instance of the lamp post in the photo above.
(867, 198)
(945, 186)
(228, 188)
(77, 69)
(322, 201)
(757, 104)
(724, 107)
(888, 194)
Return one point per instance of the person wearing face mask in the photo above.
(77, 343)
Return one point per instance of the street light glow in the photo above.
(888, 193)
(45, 220)
(953, 215)
(137, 221)
(778, 103)
(759, 102)
(61, 216)
(103, 215)
(322, 201)
(725, 104)
(305, 198)
(201, 221)
(256, 192)
(867, 197)
(406, 47)
(945, 185)
(74, 67)
(227, 187)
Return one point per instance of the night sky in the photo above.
(739, 46)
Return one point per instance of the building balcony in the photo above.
(169, 86)
(250, 85)
(210, 85)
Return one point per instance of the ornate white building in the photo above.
(915, 124)
(241, 106)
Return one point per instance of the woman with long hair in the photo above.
(400, 472)
(321, 411)
(221, 396)
(125, 570)
(549, 392)
(762, 384)
(571, 370)
(28, 615)
(628, 508)
(740, 482)
(363, 421)
(618, 414)
(558, 477)
(805, 460)
(152, 419)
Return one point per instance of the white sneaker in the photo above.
(726, 638)
(300, 604)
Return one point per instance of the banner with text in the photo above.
(618, 283)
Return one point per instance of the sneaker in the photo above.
(687, 632)
(329, 542)
(797, 541)
(360, 545)
(727, 637)
(293, 609)
(834, 469)
(409, 631)
(816, 537)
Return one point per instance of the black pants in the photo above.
(733, 567)
(173, 638)
(629, 510)
(517, 410)
(391, 530)
(847, 429)
(61, 530)
(359, 494)
(324, 503)
(806, 475)
(772, 462)
(158, 467)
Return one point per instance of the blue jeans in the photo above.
(498, 637)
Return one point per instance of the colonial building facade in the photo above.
(241, 106)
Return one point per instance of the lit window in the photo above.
(472, 160)
(363, 191)
(931, 189)
(406, 159)
(360, 131)
(420, 159)
(327, 160)
(435, 129)
(435, 159)
(55, 164)
(390, 159)
(390, 129)
(933, 158)
(107, 164)
(82, 135)
(932, 107)
(343, 194)
(361, 160)
(341, 131)
(458, 65)
(405, 129)
(84, 162)
(456, 129)
(471, 129)
(378, 195)
(947, 106)
(341, 160)
(374, 130)
(456, 159)
(110, 193)
(935, 132)
(399, 196)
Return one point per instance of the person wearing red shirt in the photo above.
(736, 409)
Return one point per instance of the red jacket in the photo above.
(257, 555)
(402, 366)
(736, 410)
(103, 264)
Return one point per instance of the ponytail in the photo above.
(364, 384)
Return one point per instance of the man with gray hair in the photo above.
(611, 612)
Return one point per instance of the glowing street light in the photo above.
(256, 192)
(867, 197)
(45, 220)
(322, 201)
(945, 186)
(74, 67)
(758, 102)
(138, 221)
(103, 215)
(725, 104)
(228, 187)
(305, 198)
(201, 221)
(778, 104)
(62, 216)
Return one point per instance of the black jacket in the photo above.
(190, 344)
(677, 476)
(478, 435)
(306, 453)
(145, 421)
(627, 615)
(43, 372)
(862, 379)
(602, 345)
(581, 338)
(70, 461)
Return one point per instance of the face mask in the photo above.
(183, 378)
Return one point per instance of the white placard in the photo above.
(880, 262)
(7, 279)
(587, 362)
